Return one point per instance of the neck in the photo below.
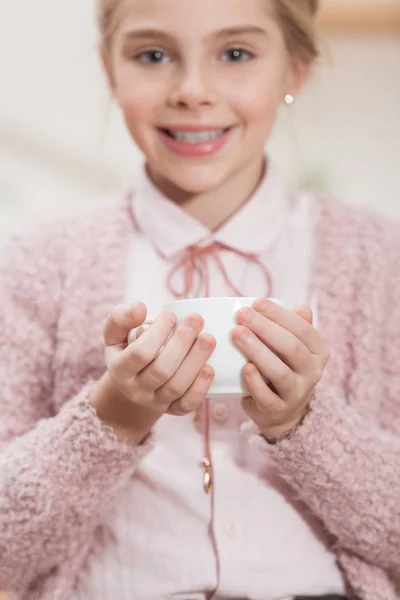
(213, 208)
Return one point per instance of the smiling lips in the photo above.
(192, 141)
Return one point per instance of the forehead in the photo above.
(200, 16)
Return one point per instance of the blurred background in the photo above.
(62, 143)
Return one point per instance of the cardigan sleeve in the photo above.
(346, 466)
(58, 472)
(346, 470)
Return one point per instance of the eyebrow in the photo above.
(138, 34)
(240, 30)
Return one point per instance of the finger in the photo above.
(195, 395)
(140, 331)
(304, 312)
(264, 398)
(138, 355)
(293, 323)
(189, 369)
(121, 320)
(284, 343)
(267, 362)
(170, 358)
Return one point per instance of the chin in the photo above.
(196, 179)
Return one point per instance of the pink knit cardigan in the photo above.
(60, 469)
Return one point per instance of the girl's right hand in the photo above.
(159, 371)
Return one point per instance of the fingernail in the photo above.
(243, 334)
(247, 315)
(205, 343)
(193, 322)
(250, 370)
(262, 305)
(206, 374)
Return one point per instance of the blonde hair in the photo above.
(297, 21)
(295, 17)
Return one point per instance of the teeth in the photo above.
(191, 137)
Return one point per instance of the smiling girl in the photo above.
(105, 491)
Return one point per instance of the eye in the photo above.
(237, 55)
(152, 57)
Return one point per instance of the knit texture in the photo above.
(61, 470)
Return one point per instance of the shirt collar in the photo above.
(251, 230)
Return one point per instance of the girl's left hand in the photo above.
(285, 350)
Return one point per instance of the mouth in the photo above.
(196, 137)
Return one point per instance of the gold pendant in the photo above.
(207, 480)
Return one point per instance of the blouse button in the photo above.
(220, 413)
(230, 530)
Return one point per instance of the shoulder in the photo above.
(36, 259)
(338, 219)
(352, 231)
(49, 239)
(358, 255)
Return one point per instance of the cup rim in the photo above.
(221, 298)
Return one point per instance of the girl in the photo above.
(105, 489)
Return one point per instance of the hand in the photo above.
(159, 371)
(286, 350)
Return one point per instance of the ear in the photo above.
(298, 75)
(106, 62)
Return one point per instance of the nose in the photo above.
(192, 90)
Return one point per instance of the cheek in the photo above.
(257, 104)
(258, 99)
(137, 100)
(257, 107)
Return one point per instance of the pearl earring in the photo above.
(289, 99)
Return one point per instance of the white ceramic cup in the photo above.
(219, 316)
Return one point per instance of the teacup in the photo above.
(219, 316)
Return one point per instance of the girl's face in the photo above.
(199, 83)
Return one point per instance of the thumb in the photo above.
(121, 320)
(304, 312)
